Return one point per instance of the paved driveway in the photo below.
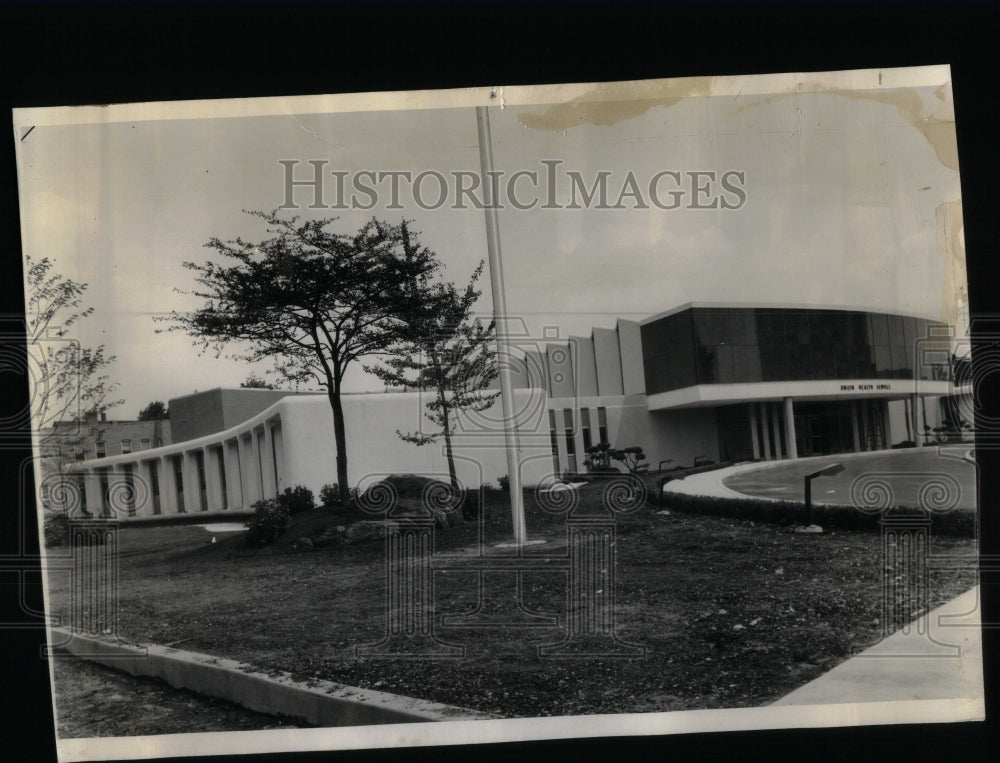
(904, 471)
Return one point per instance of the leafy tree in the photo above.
(155, 411)
(309, 300)
(70, 382)
(441, 349)
(255, 382)
(632, 458)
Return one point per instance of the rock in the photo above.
(330, 535)
(415, 496)
(364, 531)
(809, 529)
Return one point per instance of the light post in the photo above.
(826, 471)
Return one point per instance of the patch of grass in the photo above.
(685, 581)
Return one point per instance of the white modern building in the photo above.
(701, 382)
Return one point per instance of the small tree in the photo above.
(633, 459)
(601, 455)
(155, 411)
(311, 301)
(255, 382)
(599, 458)
(70, 382)
(444, 351)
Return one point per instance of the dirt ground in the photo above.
(729, 613)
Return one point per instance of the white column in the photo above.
(233, 470)
(118, 487)
(143, 489)
(865, 425)
(267, 464)
(763, 429)
(168, 486)
(189, 473)
(882, 406)
(776, 429)
(561, 442)
(581, 452)
(792, 450)
(854, 426)
(257, 465)
(753, 431)
(248, 470)
(918, 430)
(213, 479)
(278, 439)
(92, 488)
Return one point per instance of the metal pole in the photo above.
(500, 320)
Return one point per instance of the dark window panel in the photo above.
(883, 363)
(707, 365)
(880, 329)
(797, 328)
(900, 362)
(823, 362)
(747, 364)
(910, 334)
(724, 365)
(743, 326)
(711, 326)
(896, 335)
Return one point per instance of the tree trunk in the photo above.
(446, 426)
(340, 439)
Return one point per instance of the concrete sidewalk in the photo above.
(938, 656)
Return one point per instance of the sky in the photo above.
(851, 199)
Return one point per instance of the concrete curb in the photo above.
(323, 703)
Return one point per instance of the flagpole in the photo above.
(500, 321)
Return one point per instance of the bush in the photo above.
(329, 495)
(56, 530)
(269, 521)
(296, 500)
(504, 482)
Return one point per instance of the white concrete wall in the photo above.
(630, 345)
(681, 435)
(292, 443)
(374, 448)
(560, 366)
(607, 355)
(584, 365)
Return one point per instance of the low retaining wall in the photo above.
(322, 703)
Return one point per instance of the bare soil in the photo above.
(731, 613)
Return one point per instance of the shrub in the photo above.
(504, 482)
(269, 521)
(601, 455)
(56, 530)
(296, 500)
(329, 495)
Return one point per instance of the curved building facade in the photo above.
(702, 382)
